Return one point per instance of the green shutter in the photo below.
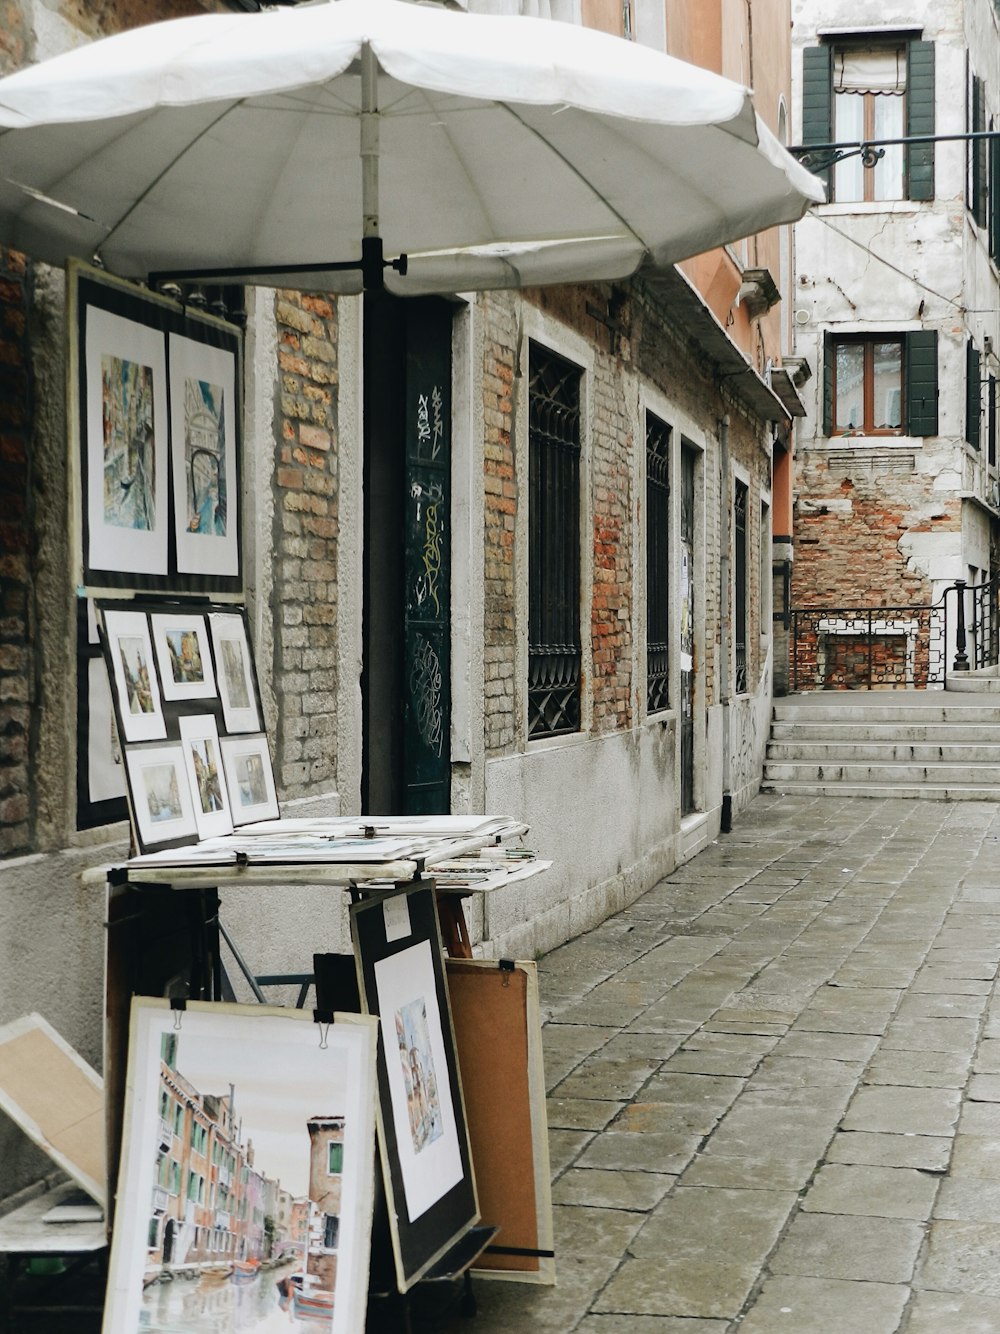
(921, 382)
(994, 209)
(829, 355)
(817, 102)
(973, 400)
(920, 118)
(978, 151)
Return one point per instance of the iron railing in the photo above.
(883, 647)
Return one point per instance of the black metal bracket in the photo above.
(871, 150)
(372, 265)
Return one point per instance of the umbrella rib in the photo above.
(151, 185)
(578, 174)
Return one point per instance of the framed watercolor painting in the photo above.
(426, 1163)
(101, 792)
(237, 687)
(125, 448)
(161, 795)
(183, 655)
(247, 762)
(203, 464)
(133, 673)
(203, 762)
(247, 1168)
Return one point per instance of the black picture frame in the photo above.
(399, 959)
(131, 432)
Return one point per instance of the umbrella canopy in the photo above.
(493, 152)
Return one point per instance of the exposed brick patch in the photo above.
(500, 504)
(305, 545)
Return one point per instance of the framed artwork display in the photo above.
(183, 674)
(133, 673)
(203, 457)
(426, 1164)
(250, 777)
(260, 1188)
(203, 761)
(183, 655)
(127, 445)
(101, 791)
(161, 795)
(237, 690)
(155, 421)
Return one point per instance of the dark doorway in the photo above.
(406, 632)
(689, 462)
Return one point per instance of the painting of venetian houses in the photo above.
(245, 1212)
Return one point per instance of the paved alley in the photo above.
(774, 1086)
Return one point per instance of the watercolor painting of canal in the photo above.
(246, 1182)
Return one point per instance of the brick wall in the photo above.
(500, 501)
(16, 548)
(305, 546)
(853, 524)
(612, 446)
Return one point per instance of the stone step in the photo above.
(941, 775)
(833, 729)
(926, 791)
(883, 751)
(877, 711)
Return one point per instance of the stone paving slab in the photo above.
(774, 1087)
(874, 1250)
(878, 1192)
(938, 1312)
(826, 1306)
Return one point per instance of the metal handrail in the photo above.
(925, 627)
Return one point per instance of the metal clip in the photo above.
(178, 1004)
(506, 967)
(324, 1018)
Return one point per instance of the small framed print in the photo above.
(203, 762)
(161, 795)
(250, 778)
(182, 654)
(137, 691)
(203, 434)
(423, 1134)
(237, 690)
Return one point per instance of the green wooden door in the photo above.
(426, 749)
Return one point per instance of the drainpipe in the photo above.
(725, 529)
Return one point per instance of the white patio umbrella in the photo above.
(492, 152)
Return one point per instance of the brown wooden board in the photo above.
(56, 1098)
(498, 1038)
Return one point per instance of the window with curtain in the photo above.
(868, 386)
(869, 88)
(869, 92)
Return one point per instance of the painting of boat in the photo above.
(316, 1305)
(213, 1278)
(245, 1271)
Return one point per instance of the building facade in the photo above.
(895, 304)
(602, 472)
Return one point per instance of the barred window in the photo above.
(740, 619)
(657, 563)
(553, 544)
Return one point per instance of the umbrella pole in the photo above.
(371, 242)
